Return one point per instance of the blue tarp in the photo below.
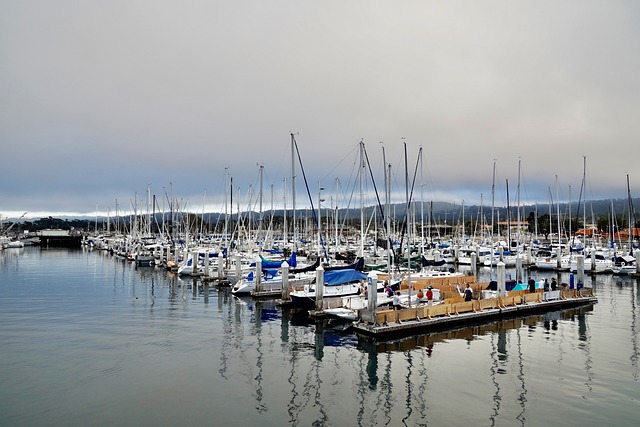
(269, 273)
(339, 277)
(525, 286)
(276, 264)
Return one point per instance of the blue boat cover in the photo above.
(269, 273)
(276, 264)
(521, 287)
(339, 277)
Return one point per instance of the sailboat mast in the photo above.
(481, 221)
(261, 218)
(508, 218)
(284, 213)
(493, 206)
(558, 211)
(584, 205)
(421, 202)
(293, 191)
(387, 185)
(631, 228)
(518, 208)
(335, 217)
(406, 189)
(361, 176)
(226, 212)
(231, 203)
(559, 258)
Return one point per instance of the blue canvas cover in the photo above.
(339, 277)
(276, 264)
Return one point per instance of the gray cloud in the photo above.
(101, 99)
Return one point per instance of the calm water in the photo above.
(88, 339)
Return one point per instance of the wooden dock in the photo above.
(453, 314)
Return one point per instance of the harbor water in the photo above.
(89, 339)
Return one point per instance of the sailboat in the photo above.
(597, 260)
(337, 283)
(627, 263)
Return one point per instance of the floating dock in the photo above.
(452, 314)
(60, 238)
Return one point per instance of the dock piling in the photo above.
(501, 268)
(285, 280)
(258, 275)
(319, 287)
(580, 268)
(372, 289)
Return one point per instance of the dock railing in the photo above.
(456, 305)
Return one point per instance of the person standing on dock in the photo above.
(532, 285)
(468, 293)
(554, 284)
(387, 289)
(396, 301)
(429, 295)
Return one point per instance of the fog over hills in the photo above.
(441, 212)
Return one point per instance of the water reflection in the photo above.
(431, 340)
(585, 346)
(634, 330)
(285, 368)
(408, 392)
(226, 316)
(522, 394)
(493, 371)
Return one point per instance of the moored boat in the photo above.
(337, 283)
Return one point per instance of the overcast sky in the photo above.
(100, 100)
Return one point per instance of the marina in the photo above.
(91, 336)
(326, 214)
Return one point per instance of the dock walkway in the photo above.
(452, 314)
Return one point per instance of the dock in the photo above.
(453, 314)
(60, 238)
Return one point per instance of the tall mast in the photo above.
(493, 206)
(270, 229)
(231, 203)
(518, 207)
(558, 213)
(550, 214)
(260, 235)
(584, 206)
(362, 171)
(319, 218)
(508, 218)
(284, 213)
(569, 213)
(293, 191)
(226, 212)
(559, 252)
(631, 214)
(387, 190)
(407, 214)
(481, 221)
(335, 216)
(421, 203)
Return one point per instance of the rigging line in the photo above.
(306, 183)
(631, 209)
(375, 189)
(347, 156)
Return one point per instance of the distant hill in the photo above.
(442, 212)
